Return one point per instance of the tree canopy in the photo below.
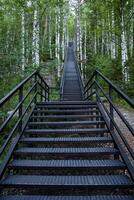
(33, 33)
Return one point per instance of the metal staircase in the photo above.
(71, 149)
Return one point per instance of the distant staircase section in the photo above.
(71, 85)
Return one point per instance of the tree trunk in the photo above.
(36, 38)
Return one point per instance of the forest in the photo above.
(34, 34)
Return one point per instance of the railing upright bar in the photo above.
(41, 97)
(35, 80)
(21, 106)
(45, 93)
(48, 93)
(96, 87)
(111, 108)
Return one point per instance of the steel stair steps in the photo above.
(65, 111)
(67, 151)
(63, 123)
(68, 140)
(100, 197)
(104, 182)
(67, 164)
(65, 103)
(66, 106)
(67, 131)
(65, 116)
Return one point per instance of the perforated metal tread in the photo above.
(65, 116)
(66, 123)
(61, 182)
(64, 111)
(61, 164)
(66, 103)
(30, 197)
(79, 151)
(69, 131)
(68, 139)
(66, 106)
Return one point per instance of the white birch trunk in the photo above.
(50, 37)
(124, 53)
(57, 43)
(36, 36)
(63, 41)
(113, 49)
(95, 43)
(23, 40)
(85, 41)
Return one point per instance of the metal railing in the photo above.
(63, 73)
(35, 89)
(79, 75)
(98, 88)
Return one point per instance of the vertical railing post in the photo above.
(97, 98)
(45, 92)
(91, 92)
(41, 97)
(96, 87)
(48, 93)
(21, 107)
(112, 116)
(35, 80)
(111, 108)
(87, 94)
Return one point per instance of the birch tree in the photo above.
(36, 37)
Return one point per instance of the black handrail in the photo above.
(122, 94)
(40, 91)
(63, 74)
(10, 94)
(95, 87)
(116, 139)
(79, 75)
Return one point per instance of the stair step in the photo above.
(66, 164)
(63, 123)
(67, 131)
(65, 111)
(66, 103)
(67, 151)
(65, 116)
(69, 182)
(71, 95)
(66, 106)
(42, 197)
(67, 140)
(71, 98)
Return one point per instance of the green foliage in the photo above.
(8, 82)
(104, 64)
